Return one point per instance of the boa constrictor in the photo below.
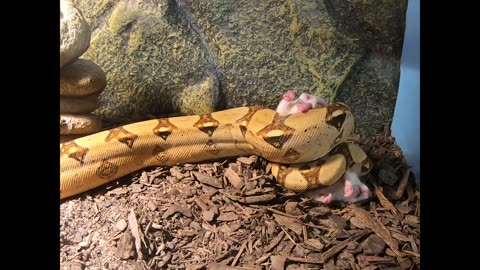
(306, 150)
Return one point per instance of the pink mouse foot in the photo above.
(365, 192)
(289, 95)
(355, 190)
(320, 196)
(326, 199)
(304, 107)
(351, 190)
(348, 190)
(360, 197)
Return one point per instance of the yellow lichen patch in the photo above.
(121, 17)
(295, 24)
(199, 98)
(134, 41)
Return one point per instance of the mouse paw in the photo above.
(304, 107)
(365, 192)
(326, 199)
(320, 196)
(351, 190)
(356, 192)
(289, 95)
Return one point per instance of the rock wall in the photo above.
(187, 56)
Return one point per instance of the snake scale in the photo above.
(305, 150)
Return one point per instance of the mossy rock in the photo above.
(185, 56)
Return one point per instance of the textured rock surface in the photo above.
(161, 56)
(71, 124)
(81, 78)
(79, 105)
(74, 33)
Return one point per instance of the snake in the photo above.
(305, 151)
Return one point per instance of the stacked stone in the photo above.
(81, 81)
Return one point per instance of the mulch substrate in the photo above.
(230, 214)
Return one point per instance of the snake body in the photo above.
(305, 150)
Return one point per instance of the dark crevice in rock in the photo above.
(349, 19)
(172, 12)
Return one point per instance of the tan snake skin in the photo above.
(306, 150)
